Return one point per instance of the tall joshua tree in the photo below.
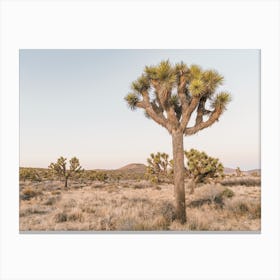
(170, 95)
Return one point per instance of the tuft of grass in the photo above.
(167, 210)
(60, 217)
(227, 193)
(241, 207)
(33, 210)
(71, 203)
(75, 215)
(52, 200)
(56, 192)
(29, 193)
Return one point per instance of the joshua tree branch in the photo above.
(181, 93)
(188, 112)
(156, 116)
(200, 110)
(212, 118)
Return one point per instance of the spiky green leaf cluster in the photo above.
(163, 72)
(132, 100)
(197, 87)
(202, 167)
(221, 101)
(141, 84)
(212, 79)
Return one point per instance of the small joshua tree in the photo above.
(60, 168)
(170, 95)
(157, 166)
(238, 172)
(202, 167)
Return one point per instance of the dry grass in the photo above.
(242, 181)
(136, 206)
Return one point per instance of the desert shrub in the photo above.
(255, 174)
(29, 193)
(242, 181)
(211, 194)
(29, 174)
(198, 222)
(141, 185)
(71, 203)
(202, 167)
(60, 217)
(255, 211)
(167, 210)
(75, 215)
(242, 207)
(100, 176)
(33, 210)
(52, 200)
(227, 193)
(106, 223)
(56, 192)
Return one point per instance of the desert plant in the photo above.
(29, 174)
(60, 168)
(170, 95)
(238, 172)
(101, 176)
(243, 181)
(29, 193)
(202, 167)
(157, 167)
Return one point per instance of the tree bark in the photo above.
(179, 187)
(66, 183)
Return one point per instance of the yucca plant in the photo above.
(157, 166)
(202, 167)
(170, 95)
(238, 172)
(60, 168)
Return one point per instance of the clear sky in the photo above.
(72, 104)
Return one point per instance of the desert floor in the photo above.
(136, 205)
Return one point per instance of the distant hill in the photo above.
(228, 170)
(133, 167)
(254, 171)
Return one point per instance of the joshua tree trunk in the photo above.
(66, 183)
(179, 187)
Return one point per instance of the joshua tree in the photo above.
(169, 95)
(238, 172)
(202, 167)
(60, 169)
(157, 166)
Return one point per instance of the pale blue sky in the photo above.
(71, 104)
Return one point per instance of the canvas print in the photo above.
(139, 140)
